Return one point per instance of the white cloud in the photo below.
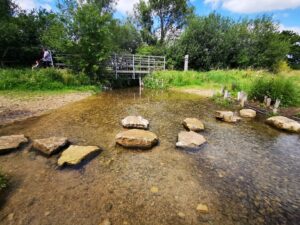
(34, 4)
(292, 28)
(126, 6)
(254, 6)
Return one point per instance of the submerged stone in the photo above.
(9, 143)
(137, 122)
(202, 208)
(190, 139)
(227, 116)
(248, 113)
(137, 139)
(75, 154)
(284, 123)
(50, 146)
(193, 124)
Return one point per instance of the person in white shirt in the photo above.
(47, 59)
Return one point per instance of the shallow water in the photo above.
(248, 173)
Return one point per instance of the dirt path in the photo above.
(19, 107)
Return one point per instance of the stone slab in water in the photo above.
(284, 123)
(137, 139)
(190, 139)
(227, 116)
(50, 146)
(9, 143)
(248, 113)
(137, 122)
(193, 124)
(75, 154)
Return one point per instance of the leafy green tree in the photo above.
(294, 53)
(163, 17)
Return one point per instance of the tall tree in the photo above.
(162, 17)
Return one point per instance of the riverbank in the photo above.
(21, 105)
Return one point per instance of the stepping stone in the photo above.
(75, 154)
(284, 123)
(193, 124)
(190, 139)
(137, 122)
(227, 116)
(10, 143)
(137, 139)
(50, 146)
(248, 113)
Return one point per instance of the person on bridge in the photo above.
(47, 59)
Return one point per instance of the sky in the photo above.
(286, 12)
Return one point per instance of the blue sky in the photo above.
(286, 12)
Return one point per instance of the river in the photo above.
(247, 173)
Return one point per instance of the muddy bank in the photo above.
(17, 108)
(201, 92)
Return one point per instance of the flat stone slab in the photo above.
(50, 146)
(193, 124)
(136, 122)
(9, 143)
(75, 154)
(137, 139)
(248, 113)
(227, 116)
(284, 123)
(190, 139)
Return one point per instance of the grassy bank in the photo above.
(257, 84)
(49, 80)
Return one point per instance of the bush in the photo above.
(42, 79)
(276, 88)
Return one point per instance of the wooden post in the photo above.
(226, 94)
(265, 100)
(269, 100)
(276, 106)
(164, 62)
(239, 96)
(186, 63)
(133, 64)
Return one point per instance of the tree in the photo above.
(294, 53)
(169, 15)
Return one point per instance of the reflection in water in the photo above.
(246, 174)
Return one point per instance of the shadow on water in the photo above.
(247, 173)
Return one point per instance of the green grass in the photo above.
(43, 80)
(285, 85)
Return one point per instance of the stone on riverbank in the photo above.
(75, 154)
(190, 139)
(248, 113)
(9, 143)
(136, 122)
(193, 124)
(227, 116)
(284, 123)
(137, 139)
(202, 208)
(50, 146)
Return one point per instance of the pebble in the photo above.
(105, 222)
(47, 213)
(10, 216)
(154, 189)
(202, 208)
(181, 214)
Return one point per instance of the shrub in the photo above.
(281, 66)
(42, 79)
(276, 88)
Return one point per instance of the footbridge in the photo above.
(127, 66)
